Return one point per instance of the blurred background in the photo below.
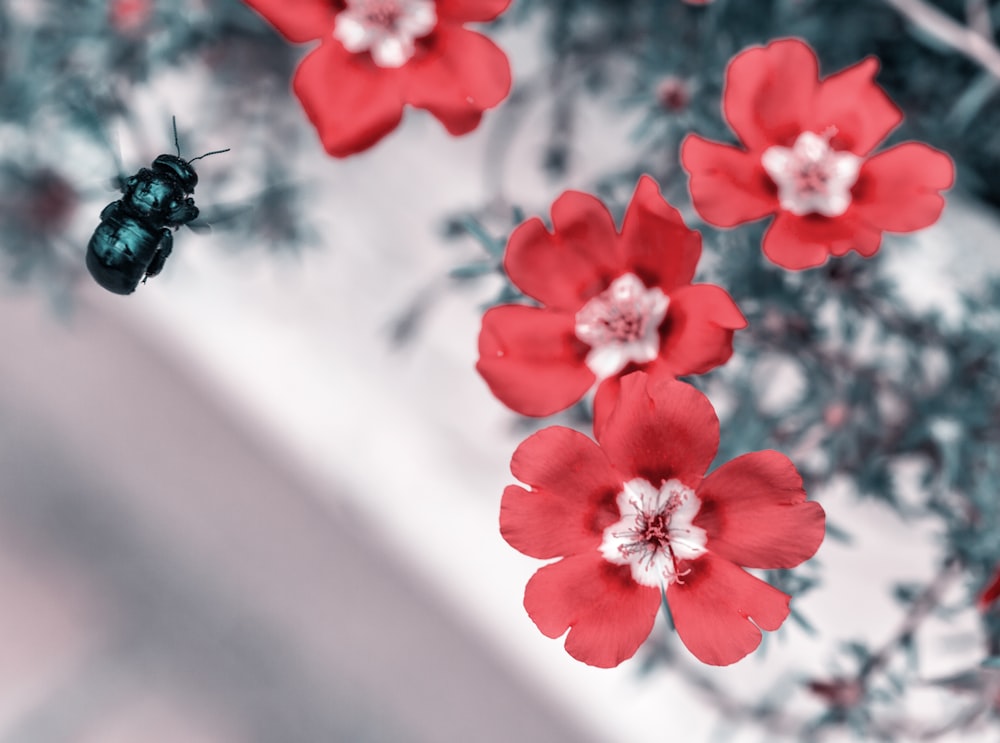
(257, 500)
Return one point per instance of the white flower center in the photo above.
(811, 176)
(621, 325)
(655, 532)
(386, 28)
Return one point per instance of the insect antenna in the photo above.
(177, 143)
(213, 152)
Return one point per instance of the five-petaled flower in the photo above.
(806, 158)
(612, 303)
(376, 56)
(634, 516)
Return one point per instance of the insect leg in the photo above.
(185, 212)
(163, 251)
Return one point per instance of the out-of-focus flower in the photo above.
(836, 414)
(840, 693)
(634, 516)
(376, 56)
(673, 93)
(612, 302)
(130, 16)
(37, 201)
(989, 594)
(807, 159)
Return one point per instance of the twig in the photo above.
(944, 28)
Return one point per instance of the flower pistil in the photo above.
(655, 532)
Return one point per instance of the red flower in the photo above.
(634, 517)
(376, 56)
(612, 302)
(806, 158)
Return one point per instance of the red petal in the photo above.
(805, 242)
(756, 513)
(606, 397)
(576, 261)
(531, 359)
(855, 107)
(660, 429)
(728, 186)
(466, 11)
(700, 321)
(655, 243)
(713, 608)
(297, 20)
(608, 614)
(352, 104)
(572, 499)
(605, 400)
(769, 92)
(464, 75)
(898, 189)
(437, 94)
(457, 121)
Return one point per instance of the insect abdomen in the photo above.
(120, 250)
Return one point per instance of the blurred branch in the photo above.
(924, 605)
(971, 42)
(978, 13)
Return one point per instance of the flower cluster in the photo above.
(612, 311)
(632, 518)
(376, 56)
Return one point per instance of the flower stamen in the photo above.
(621, 325)
(388, 29)
(655, 533)
(812, 177)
